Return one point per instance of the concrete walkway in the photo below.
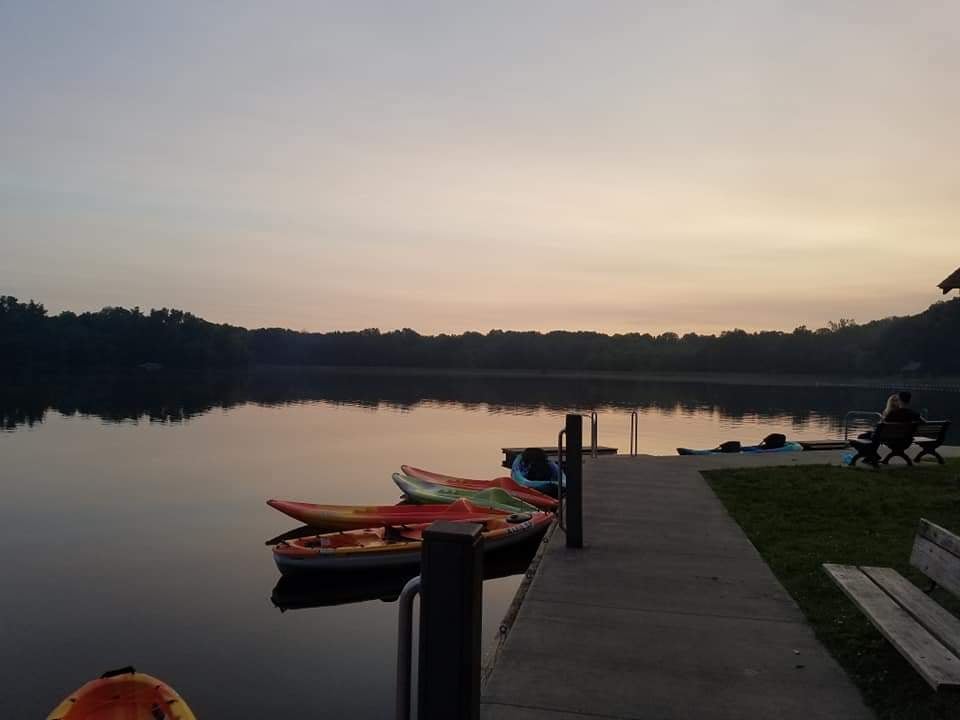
(668, 612)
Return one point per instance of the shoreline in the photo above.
(886, 382)
(784, 380)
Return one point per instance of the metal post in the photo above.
(574, 486)
(451, 606)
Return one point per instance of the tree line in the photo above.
(31, 338)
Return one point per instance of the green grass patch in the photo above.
(802, 516)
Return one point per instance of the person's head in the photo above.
(893, 403)
(905, 397)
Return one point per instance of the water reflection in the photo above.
(168, 397)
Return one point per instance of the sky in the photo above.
(445, 166)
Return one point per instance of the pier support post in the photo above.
(574, 473)
(450, 621)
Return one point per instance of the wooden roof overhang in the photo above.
(951, 283)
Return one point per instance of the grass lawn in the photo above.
(801, 516)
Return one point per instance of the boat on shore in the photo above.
(773, 443)
(745, 450)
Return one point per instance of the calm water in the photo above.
(133, 520)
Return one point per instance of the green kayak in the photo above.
(418, 491)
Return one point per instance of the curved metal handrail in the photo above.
(405, 646)
(861, 415)
(594, 432)
(634, 433)
(561, 462)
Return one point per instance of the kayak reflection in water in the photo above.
(323, 589)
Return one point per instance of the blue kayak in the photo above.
(745, 450)
(518, 473)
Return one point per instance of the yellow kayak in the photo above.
(123, 694)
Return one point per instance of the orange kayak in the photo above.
(355, 517)
(385, 547)
(528, 495)
(123, 694)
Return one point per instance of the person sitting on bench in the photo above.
(901, 410)
(897, 410)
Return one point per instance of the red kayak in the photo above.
(529, 495)
(355, 517)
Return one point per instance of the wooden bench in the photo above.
(916, 625)
(898, 436)
(930, 435)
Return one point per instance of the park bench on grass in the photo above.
(918, 627)
(930, 435)
(898, 436)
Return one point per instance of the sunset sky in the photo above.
(614, 166)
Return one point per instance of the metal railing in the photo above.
(405, 647)
(561, 462)
(594, 433)
(634, 433)
(862, 418)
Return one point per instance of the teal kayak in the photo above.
(518, 471)
(746, 450)
(419, 491)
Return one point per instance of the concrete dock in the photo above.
(667, 612)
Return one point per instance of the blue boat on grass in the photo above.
(775, 443)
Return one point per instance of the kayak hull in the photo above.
(528, 495)
(126, 695)
(747, 450)
(381, 549)
(355, 517)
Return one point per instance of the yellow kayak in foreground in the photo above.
(123, 694)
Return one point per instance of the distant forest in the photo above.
(32, 339)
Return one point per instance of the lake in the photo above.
(133, 520)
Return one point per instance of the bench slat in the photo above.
(943, 625)
(938, 666)
(939, 536)
(934, 430)
(937, 563)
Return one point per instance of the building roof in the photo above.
(951, 283)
